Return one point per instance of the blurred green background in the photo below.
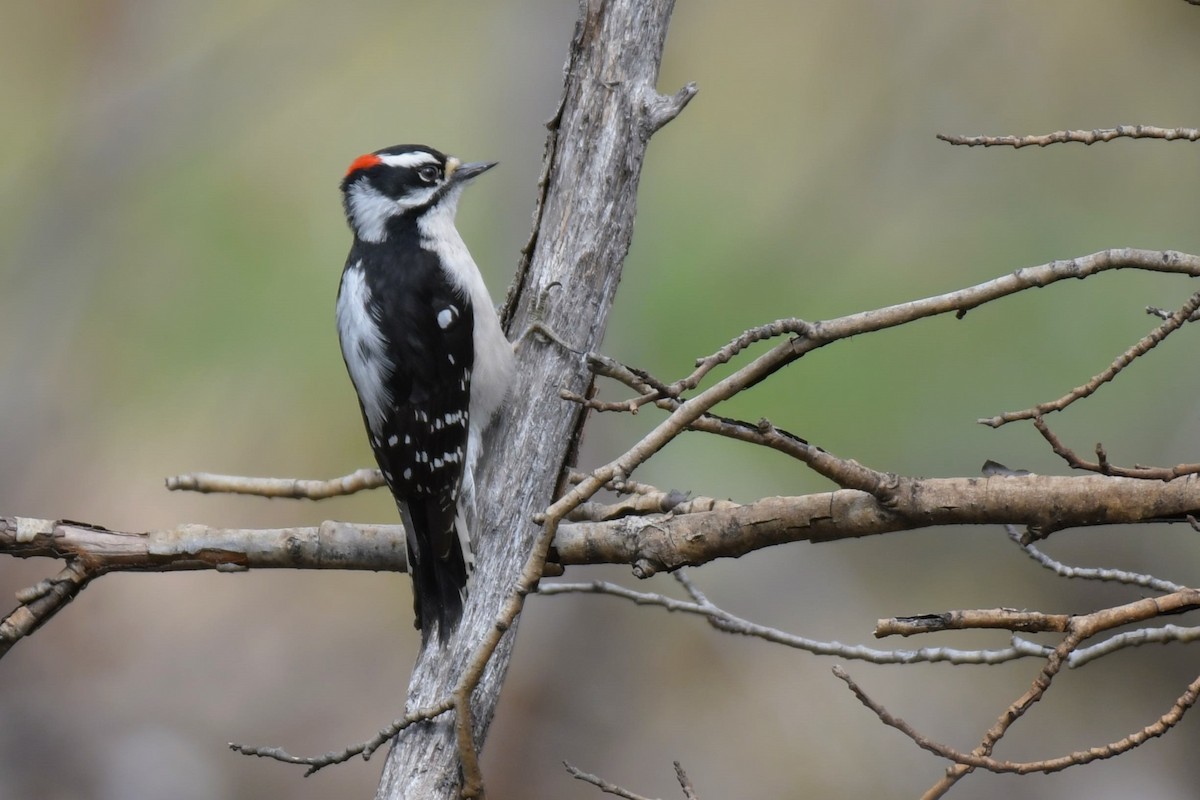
(170, 244)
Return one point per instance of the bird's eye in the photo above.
(429, 173)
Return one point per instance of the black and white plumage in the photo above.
(427, 356)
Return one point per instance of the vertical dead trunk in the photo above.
(567, 281)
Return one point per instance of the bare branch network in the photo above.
(657, 531)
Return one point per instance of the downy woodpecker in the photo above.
(427, 356)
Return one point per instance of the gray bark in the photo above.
(582, 230)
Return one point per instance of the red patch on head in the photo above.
(363, 162)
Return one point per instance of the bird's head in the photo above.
(408, 179)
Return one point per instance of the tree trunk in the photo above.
(567, 281)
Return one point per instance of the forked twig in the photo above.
(1103, 466)
(365, 749)
(1143, 346)
(1078, 629)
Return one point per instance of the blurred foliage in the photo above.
(170, 244)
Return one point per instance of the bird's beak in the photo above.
(462, 173)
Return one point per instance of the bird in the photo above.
(427, 355)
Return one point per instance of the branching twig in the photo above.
(1082, 137)
(365, 749)
(1166, 634)
(1102, 466)
(727, 622)
(1143, 346)
(687, 414)
(1078, 629)
(846, 474)
(654, 390)
(810, 336)
(968, 761)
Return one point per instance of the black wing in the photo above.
(427, 328)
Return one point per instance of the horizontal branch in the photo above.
(651, 543)
(1003, 618)
(667, 542)
(288, 488)
(332, 545)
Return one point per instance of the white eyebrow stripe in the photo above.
(408, 159)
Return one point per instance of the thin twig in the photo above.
(41, 602)
(727, 622)
(624, 487)
(1102, 466)
(1081, 137)
(1165, 313)
(686, 413)
(1089, 573)
(966, 762)
(601, 784)
(1080, 629)
(1143, 346)
(811, 336)
(1166, 634)
(366, 749)
(845, 473)
(685, 783)
(654, 389)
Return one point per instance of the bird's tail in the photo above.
(440, 561)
